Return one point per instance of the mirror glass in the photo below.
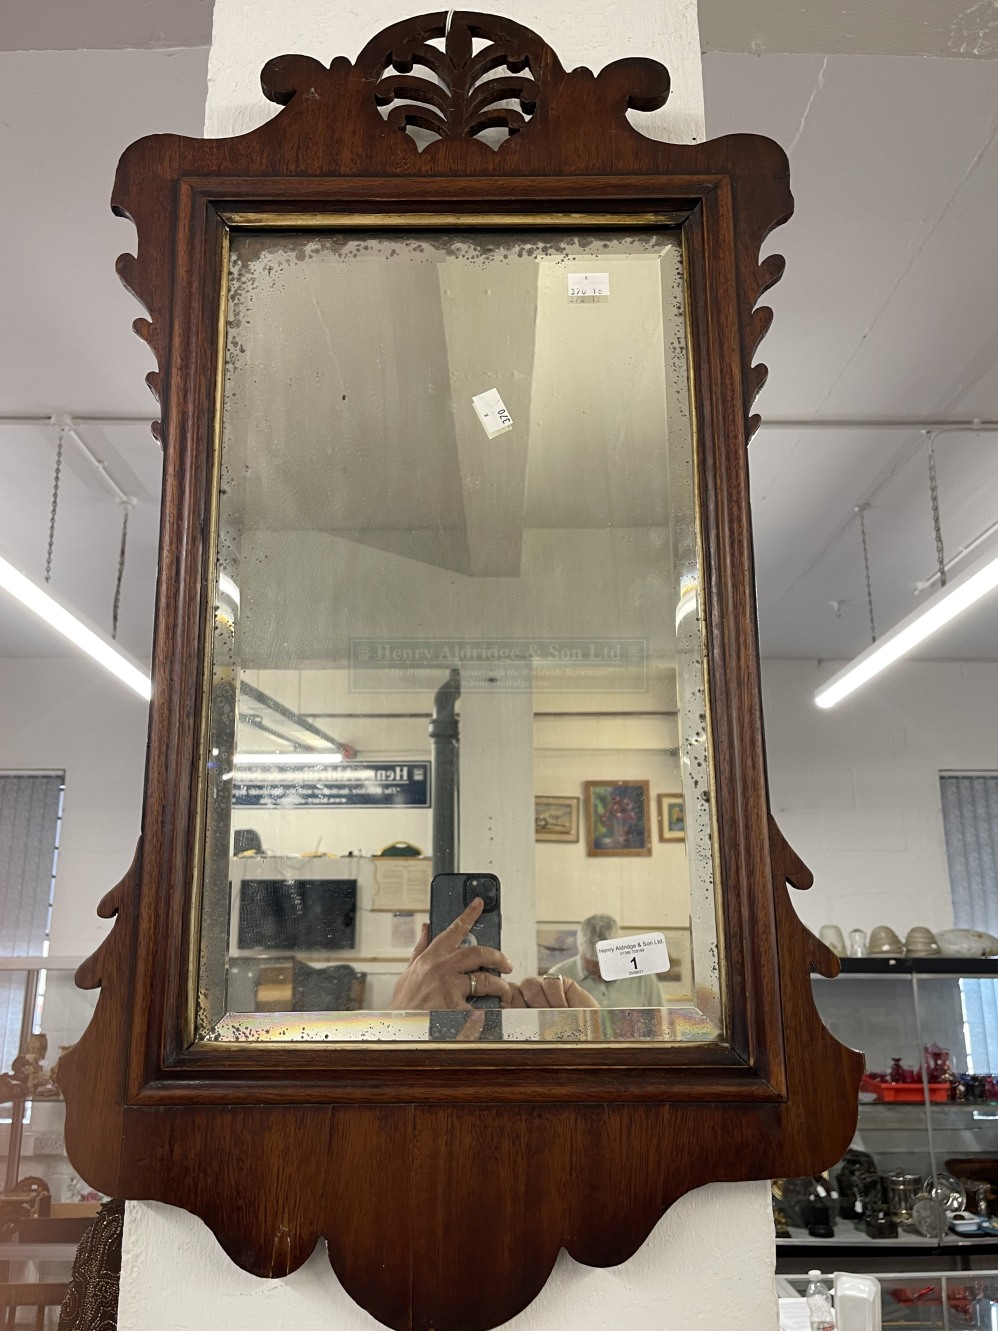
(457, 644)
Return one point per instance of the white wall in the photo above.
(856, 788)
(247, 33)
(697, 1271)
(70, 715)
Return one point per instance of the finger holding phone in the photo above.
(550, 991)
(444, 974)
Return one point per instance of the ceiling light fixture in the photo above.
(48, 607)
(952, 598)
(944, 605)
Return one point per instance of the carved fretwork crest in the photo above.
(479, 78)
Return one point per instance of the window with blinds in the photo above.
(30, 816)
(970, 823)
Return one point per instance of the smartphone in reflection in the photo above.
(450, 893)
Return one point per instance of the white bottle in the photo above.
(819, 1303)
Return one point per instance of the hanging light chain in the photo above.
(861, 510)
(125, 510)
(930, 439)
(55, 505)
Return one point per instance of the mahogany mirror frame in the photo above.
(387, 1153)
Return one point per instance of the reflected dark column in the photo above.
(446, 773)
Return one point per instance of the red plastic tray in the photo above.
(906, 1092)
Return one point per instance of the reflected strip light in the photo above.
(227, 588)
(944, 605)
(286, 759)
(49, 608)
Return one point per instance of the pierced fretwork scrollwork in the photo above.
(467, 92)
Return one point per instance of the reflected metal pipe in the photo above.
(446, 773)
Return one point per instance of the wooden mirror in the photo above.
(455, 641)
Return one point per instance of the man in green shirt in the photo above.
(638, 991)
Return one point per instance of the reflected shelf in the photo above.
(964, 967)
(856, 1244)
(881, 1109)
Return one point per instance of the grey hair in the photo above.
(595, 929)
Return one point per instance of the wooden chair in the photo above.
(14, 1295)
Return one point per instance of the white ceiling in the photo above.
(889, 308)
(65, 339)
(585, 384)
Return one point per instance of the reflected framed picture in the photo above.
(556, 817)
(671, 818)
(617, 818)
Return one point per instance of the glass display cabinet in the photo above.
(928, 1121)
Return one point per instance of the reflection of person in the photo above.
(633, 991)
(443, 975)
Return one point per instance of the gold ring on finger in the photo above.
(474, 984)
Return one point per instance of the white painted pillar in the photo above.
(709, 1263)
(497, 799)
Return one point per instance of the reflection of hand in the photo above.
(550, 991)
(472, 1028)
(438, 975)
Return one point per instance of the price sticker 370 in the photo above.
(491, 411)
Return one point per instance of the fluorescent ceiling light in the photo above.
(48, 607)
(932, 615)
(286, 759)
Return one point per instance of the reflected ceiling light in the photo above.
(944, 605)
(50, 608)
(286, 759)
(689, 588)
(228, 589)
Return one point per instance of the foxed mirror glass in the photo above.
(457, 631)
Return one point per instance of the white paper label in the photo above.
(639, 954)
(588, 286)
(492, 413)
